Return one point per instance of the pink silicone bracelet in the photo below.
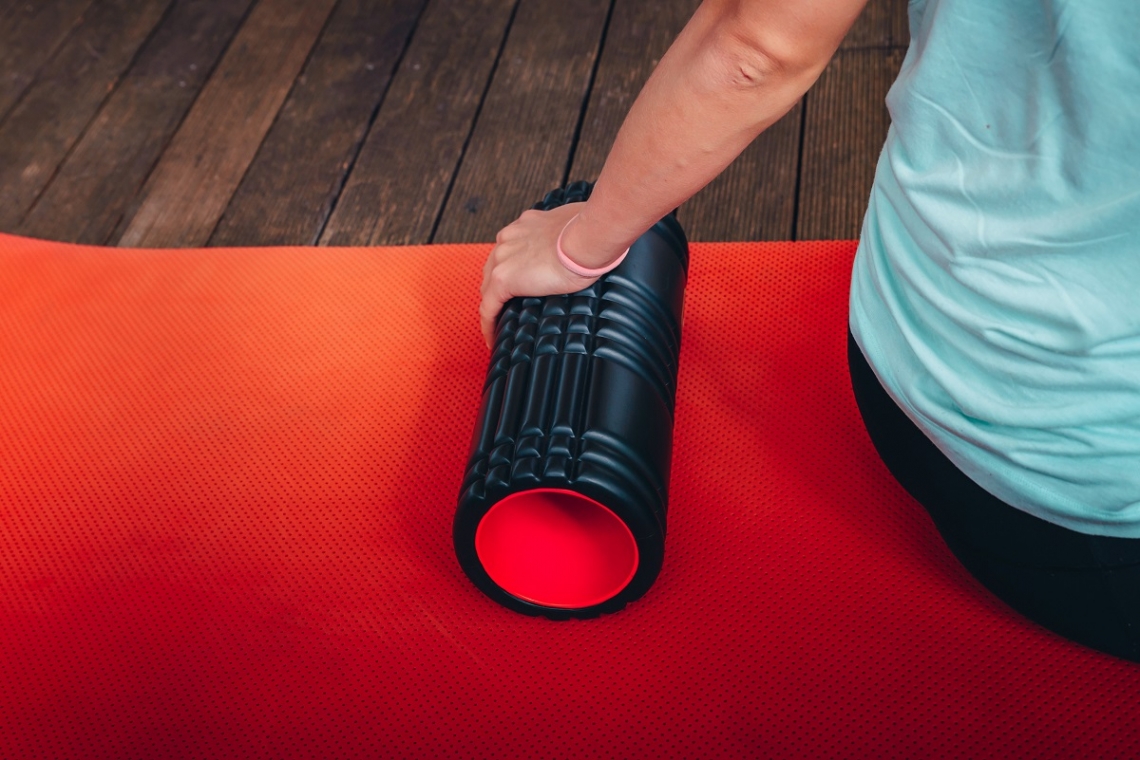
(578, 269)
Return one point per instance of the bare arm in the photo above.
(736, 68)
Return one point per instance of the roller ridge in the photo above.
(573, 380)
(639, 330)
(552, 394)
(540, 374)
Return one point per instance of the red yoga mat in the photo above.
(227, 484)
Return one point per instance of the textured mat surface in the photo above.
(227, 481)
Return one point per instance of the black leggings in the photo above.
(1083, 587)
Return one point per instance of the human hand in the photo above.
(524, 262)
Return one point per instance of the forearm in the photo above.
(738, 66)
(709, 97)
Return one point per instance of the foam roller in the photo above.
(562, 510)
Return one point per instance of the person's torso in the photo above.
(996, 291)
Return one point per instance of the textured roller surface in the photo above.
(227, 483)
(579, 396)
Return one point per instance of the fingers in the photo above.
(491, 304)
(488, 313)
(487, 267)
(488, 330)
(522, 262)
(495, 294)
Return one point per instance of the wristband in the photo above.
(578, 269)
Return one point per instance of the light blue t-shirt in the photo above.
(996, 289)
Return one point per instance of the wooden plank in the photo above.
(638, 36)
(286, 195)
(194, 180)
(395, 191)
(845, 125)
(521, 144)
(89, 195)
(754, 198)
(29, 34)
(52, 114)
(883, 23)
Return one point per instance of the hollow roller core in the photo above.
(562, 508)
(556, 548)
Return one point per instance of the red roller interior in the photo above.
(556, 548)
(227, 485)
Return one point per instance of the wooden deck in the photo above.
(352, 122)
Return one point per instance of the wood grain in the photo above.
(87, 198)
(52, 114)
(754, 198)
(396, 189)
(103, 138)
(639, 34)
(184, 198)
(286, 195)
(30, 32)
(521, 144)
(845, 125)
(883, 23)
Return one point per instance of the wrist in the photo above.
(577, 255)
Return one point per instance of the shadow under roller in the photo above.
(562, 510)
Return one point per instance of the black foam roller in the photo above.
(562, 510)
